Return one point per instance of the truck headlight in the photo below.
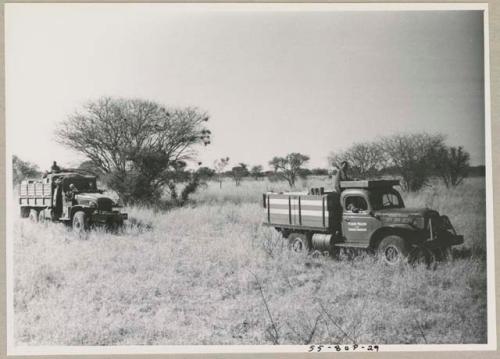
(418, 222)
(93, 205)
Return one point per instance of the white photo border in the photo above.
(491, 345)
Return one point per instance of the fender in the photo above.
(403, 230)
(77, 208)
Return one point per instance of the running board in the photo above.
(350, 245)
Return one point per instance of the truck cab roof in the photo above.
(369, 184)
(70, 175)
(67, 177)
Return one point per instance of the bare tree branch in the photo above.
(275, 334)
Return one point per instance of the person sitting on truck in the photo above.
(58, 202)
(55, 168)
(341, 176)
(356, 204)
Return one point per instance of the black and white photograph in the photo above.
(248, 178)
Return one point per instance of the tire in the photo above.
(443, 254)
(421, 255)
(41, 216)
(393, 250)
(25, 212)
(115, 226)
(80, 222)
(33, 216)
(283, 232)
(299, 242)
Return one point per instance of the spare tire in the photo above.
(299, 242)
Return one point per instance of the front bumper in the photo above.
(108, 218)
(443, 234)
(445, 239)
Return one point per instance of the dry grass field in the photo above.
(209, 273)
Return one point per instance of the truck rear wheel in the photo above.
(25, 212)
(33, 215)
(80, 222)
(299, 242)
(41, 216)
(393, 250)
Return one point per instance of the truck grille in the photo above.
(104, 204)
(436, 221)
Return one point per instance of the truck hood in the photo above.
(103, 202)
(398, 212)
(90, 196)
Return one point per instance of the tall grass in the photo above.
(251, 191)
(212, 274)
(466, 207)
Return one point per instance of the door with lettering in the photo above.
(357, 223)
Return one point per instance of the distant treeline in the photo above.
(209, 173)
(142, 150)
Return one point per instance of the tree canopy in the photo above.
(412, 156)
(415, 157)
(22, 170)
(365, 159)
(139, 145)
(451, 164)
(289, 167)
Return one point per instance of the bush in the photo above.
(22, 170)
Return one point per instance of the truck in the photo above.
(69, 197)
(367, 215)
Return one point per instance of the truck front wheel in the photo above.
(393, 250)
(299, 242)
(80, 222)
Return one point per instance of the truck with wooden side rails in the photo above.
(368, 215)
(71, 198)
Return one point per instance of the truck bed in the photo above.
(35, 194)
(299, 210)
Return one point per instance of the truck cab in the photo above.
(361, 204)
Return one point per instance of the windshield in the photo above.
(81, 184)
(385, 199)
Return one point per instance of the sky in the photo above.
(273, 82)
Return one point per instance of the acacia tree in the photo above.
(289, 167)
(412, 156)
(451, 164)
(138, 144)
(238, 172)
(205, 173)
(219, 166)
(256, 171)
(89, 167)
(365, 159)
